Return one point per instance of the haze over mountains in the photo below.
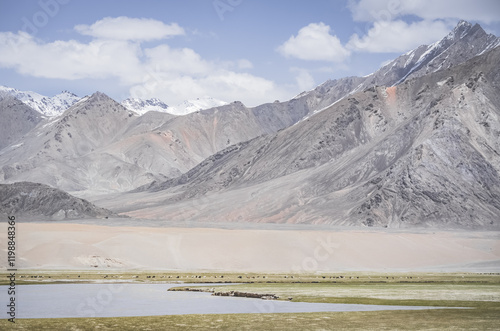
(415, 144)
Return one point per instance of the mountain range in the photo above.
(58, 104)
(414, 144)
(141, 107)
(47, 106)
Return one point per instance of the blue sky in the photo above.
(255, 51)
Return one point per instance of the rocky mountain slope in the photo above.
(98, 145)
(422, 153)
(68, 151)
(33, 201)
(16, 119)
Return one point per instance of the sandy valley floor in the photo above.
(82, 246)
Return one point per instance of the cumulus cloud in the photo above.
(485, 11)
(180, 74)
(388, 29)
(220, 83)
(171, 74)
(314, 42)
(126, 28)
(69, 59)
(398, 36)
(177, 60)
(388, 32)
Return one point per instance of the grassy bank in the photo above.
(65, 276)
(486, 317)
(479, 292)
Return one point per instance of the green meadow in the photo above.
(473, 301)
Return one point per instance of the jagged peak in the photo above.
(95, 100)
(99, 96)
(153, 101)
(464, 28)
(66, 92)
(463, 24)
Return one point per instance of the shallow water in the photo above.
(120, 299)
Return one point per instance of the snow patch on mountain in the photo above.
(48, 106)
(191, 106)
(141, 107)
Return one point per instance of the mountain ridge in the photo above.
(58, 104)
(16, 119)
(186, 107)
(47, 106)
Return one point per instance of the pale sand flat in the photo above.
(83, 246)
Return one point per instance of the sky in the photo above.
(253, 51)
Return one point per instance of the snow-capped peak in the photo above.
(141, 106)
(191, 106)
(48, 106)
(462, 28)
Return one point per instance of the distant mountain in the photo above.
(66, 151)
(191, 106)
(48, 106)
(34, 202)
(140, 106)
(98, 145)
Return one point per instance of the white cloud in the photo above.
(218, 83)
(175, 75)
(179, 60)
(398, 36)
(314, 42)
(245, 64)
(388, 32)
(171, 74)
(486, 11)
(69, 59)
(126, 28)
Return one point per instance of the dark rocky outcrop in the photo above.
(33, 201)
